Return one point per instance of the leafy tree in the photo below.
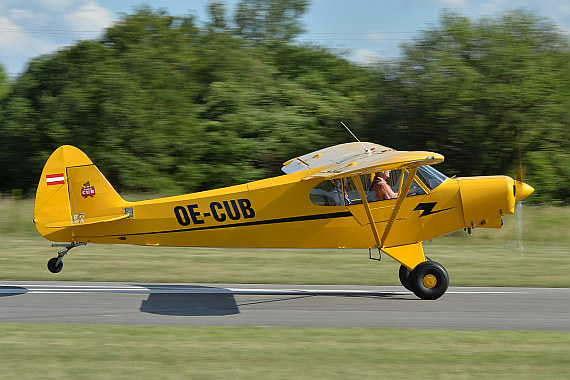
(467, 89)
(270, 20)
(3, 82)
(217, 13)
(163, 106)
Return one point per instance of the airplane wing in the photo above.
(358, 158)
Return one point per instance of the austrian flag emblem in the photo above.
(55, 179)
(87, 190)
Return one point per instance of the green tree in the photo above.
(217, 14)
(3, 82)
(270, 20)
(163, 106)
(466, 89)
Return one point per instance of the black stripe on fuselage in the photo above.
(342, 214)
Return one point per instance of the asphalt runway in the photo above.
(283, 305)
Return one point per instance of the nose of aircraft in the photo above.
(522, 190)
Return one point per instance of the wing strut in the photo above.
(409, 255)
(358, 182)
(401, 196)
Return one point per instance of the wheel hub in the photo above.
(429, 281)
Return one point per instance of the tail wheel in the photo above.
(429, 280)
(54, 266)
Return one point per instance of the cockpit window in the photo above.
(378, 187)
(335, 192)
(328, 193)
(431, 177)
(415, 187)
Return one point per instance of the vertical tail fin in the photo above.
(73, 193)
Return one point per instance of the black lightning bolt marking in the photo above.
(427, 208)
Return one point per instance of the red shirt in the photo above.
(382, 189)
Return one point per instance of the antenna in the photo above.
(353, 135)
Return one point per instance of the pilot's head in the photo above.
(383, 174)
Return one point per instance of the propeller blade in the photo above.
(522, 191)
(518, 212)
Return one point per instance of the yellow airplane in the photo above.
(353, 195)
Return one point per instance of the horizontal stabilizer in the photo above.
(79, 221)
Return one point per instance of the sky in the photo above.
(361, 30)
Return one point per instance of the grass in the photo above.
(489, 258)
(468, 265)
(126, 352)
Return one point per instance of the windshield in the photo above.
(430, 176)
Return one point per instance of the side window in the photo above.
(384, 185)
(328, 193)
(352, 195)
(377, 186)
(387, 184)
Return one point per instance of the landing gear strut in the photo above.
(55, 264)
(428, 280)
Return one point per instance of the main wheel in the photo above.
(404, 275)
(429, 280)
(53, 267)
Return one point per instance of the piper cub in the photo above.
(353, 195)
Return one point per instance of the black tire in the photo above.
(404, 275)
(53, 267)
(429, 280)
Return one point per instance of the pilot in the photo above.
(339, 192)
(381, 187)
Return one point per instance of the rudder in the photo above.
(73, 193)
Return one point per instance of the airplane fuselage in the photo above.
(278, 213)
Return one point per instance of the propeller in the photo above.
(522, 190)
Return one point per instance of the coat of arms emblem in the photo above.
(87, 190)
